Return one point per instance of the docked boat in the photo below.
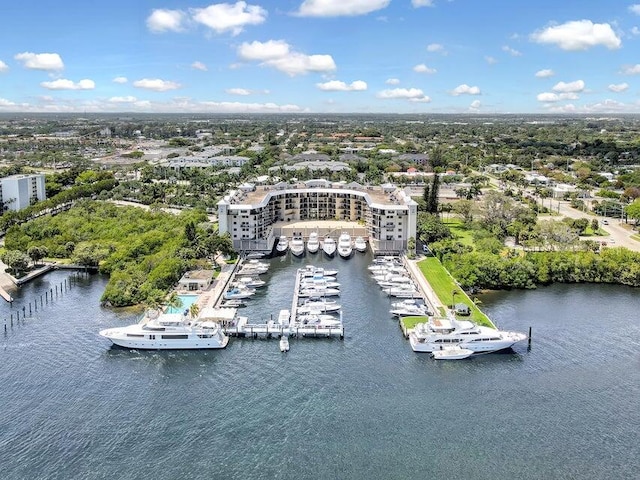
(250, 282)
(321, 283)
(297, 246)
(360, 244)
(444, 332)
(318, 320)
(329, 246)
(344, 245)
(313, 244)
(408, 308)
(168, 331)
(402, 291)
(283, 244)
(311, 271)
(238, 293)
(284, 343)
(318, 292)
(453, 352)
(319, 305)
(233, 304)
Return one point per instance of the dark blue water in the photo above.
(366, 407)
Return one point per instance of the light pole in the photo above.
(453, 299)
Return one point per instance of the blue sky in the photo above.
(387, 56)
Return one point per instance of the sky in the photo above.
(325, 56)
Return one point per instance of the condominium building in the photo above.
(255, 216)
(20, 191)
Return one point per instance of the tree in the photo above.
(633, 210)
(595, 225)
(434, 190)
(16, 260)
(173, 301)
(194, 310)
(426, 195)
(37, 253)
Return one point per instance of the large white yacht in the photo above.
(313, 244)
(297, 246)
(313, 291)
(360, 244)
(319, 305)
(311, 271)
(443, 332)
(283, 244)
(344, 245)
(166, 331)
(329, 246)
(408, 308)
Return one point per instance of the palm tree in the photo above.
(174, 301)
(194, 310)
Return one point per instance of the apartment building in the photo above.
(20, 191)
(254, 216)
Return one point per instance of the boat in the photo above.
(318, 292)
(250, 282)
(344, 245)
(313, 244)
(452, 352)
(360, 244)
(319, 305)
(284, 343)
(329, 246)
(321, 282)
(318, 320)
(283, 244)
(311, 271)
(168, 331)
(297, 246)
(402, 291)
(444, 332)
(409, 308)
(233, 304)
(238, 293)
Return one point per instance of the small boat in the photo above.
(329, 246)
(284, 343)
(250, 282)
(322, 306)
(452, 352)
(297, 246)
(233, 304)
(318, 320)
(409, 308)
(344, 245)
(311, 271)
(360, 244)
(283, 244)
(238, 293)
(318, 292)
(313, 244)
(322, 283)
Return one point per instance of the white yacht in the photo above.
(344, 245)
(360, 244)
(311, 271)
(408, 308)
(318, 292)
(329, 246)
(166, 331)
(444, 332)
(319, 305)
(319, 282)
(297, 246)
(283, 244)
(402, 291)
(452, 352)
(284, 343)
(313, 244)
(250, 282)
(238, 293)
(318, 320)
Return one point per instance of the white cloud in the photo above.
(6, 103)
(635, 9)
(578, 35)
(156, 84)
(127, 99)
(545, 73)
(338, 86)
(238, 91)
(571, 87)
(237, 107)
(631, 69)
(40, 61)
(412, 94)
(422, 68)
(475, 105)
(490, 60)
(163, 20)
(635, 31)
(199, 66)
(465, 89)
(436, 47)
(618, 88)
(392, 81)
(64, 84)
(120, 80)
(226, 17)
(422, 3)
(340, 8)
(264, 51)
(551, 97)
(3, 66)
(278, 54)
(511, 51)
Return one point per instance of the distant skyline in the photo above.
(325, 56)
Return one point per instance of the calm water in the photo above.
(363, 408)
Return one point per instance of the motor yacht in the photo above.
(444, 332)
(311, 271)
(168, 331)
(360, 244)
(313, 244)
(344, 245)
(238, 293)
(408, 308)
(319, 282)
(250, 282)
(318, 292)
(402, 291)
(318, 320)
(319, 305)
(329, 246)
(297, 246)
(283, 244)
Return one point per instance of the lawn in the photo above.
(411, 322)
(444, 285)
(636, 237)
(460, 231)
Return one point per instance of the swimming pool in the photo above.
(187, 301)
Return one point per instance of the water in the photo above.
(366, 407)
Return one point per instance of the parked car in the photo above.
(605, 222)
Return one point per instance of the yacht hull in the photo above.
(188, 344)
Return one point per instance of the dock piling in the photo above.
(529, 342)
